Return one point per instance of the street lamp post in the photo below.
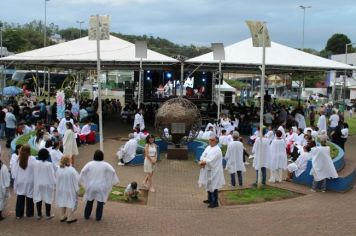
(45, 25)
(346, 49)
(80, 27)
(304, 9)
(1, 53)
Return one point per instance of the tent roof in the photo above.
(225, 87)
(114, 51)
(278, 57)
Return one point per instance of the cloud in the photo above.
(109, 2)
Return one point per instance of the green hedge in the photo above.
(24, 140)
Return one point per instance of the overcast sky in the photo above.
(199, 22)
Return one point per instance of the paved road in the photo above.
(177, 209)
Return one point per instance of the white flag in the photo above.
(104, 25)
(259, 33)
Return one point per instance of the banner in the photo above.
(104, 25)
(259, 32)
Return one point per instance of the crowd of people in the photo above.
(286, 138)
(38, 179)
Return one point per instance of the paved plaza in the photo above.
(176, 208)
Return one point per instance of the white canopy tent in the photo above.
(279, 58)
(81, 53)
(225, 87)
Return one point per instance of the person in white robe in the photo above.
(213, 126)
(44, 182)
(56, 154)
(139, 120)
(255, 135)
(281, 128)
(322, 122)
(234, 159)
(128, 151)
(278, 161)
(270, 134)
(70, 143)
(211, 173)
(208, 133)
(85, 132)
(4, 187)
(299, 140)
(67, 190)
(97, 177)
(322, 166)
(137, 134)
(261, 152)
(290, 139)
(301, 121)
(13, 161)
(300, 165)
(224, 139)
(200, 134)
(23, 173)
(62, 124)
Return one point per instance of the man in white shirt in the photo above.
(211, 173)
(334, 121)
(139, 121)
(322, 122)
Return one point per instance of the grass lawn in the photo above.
(255, 195)
(352, 125)
(117, 195)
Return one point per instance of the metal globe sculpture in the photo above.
(178, 121)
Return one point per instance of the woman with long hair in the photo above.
(150, 153)
(67, 188)
(69, 142)
(44, 181)
(24, 182)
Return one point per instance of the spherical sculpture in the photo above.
(178, 121)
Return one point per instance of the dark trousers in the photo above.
(213, 197)
(239, 177)
(245, 155)
(39, 209)
(10, 135)
(263, 169)
(89, 207)
(20, 206)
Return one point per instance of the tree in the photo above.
(336, 44)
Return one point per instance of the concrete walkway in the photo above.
(177, 209)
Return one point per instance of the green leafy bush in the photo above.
(24, 140)
(85, 95)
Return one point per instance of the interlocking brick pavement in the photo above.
(176, 207)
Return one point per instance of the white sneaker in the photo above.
(251, 157)
(247, 163)
(120, 164)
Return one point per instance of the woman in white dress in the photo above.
(23, 174)
(150, 161)
(97, 177)
(278, 158)
(67, 189)
(69, 142)
(4, 187)
(44, 181)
